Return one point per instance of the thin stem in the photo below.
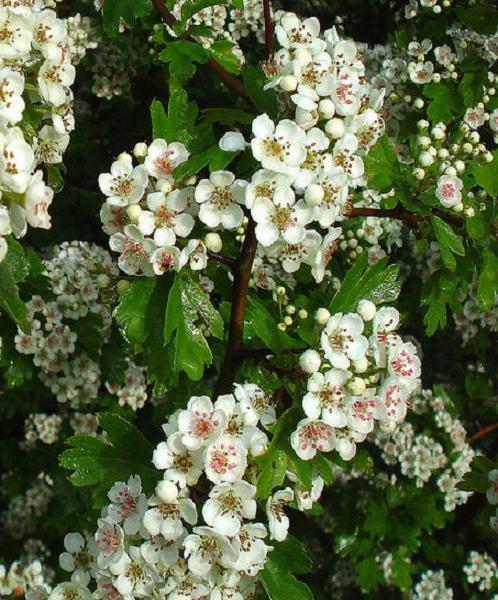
(393, 213)
(224, 260)
(482, 432)
(232, 83)
(239, 301)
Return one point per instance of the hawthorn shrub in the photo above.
(248, 299)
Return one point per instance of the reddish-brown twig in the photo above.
(482, 432)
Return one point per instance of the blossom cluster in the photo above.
(36, 74)
(308, 165)
(363, 373)
(444, 455)
(197, 534)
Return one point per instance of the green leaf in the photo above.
(369, 574)
(16, 260)
(273, 463)
(378, 283)
(382, 165)
(264, 325)
(439, 291)
(179, 124)
(264, 100)
(182, 57)
(487, 283)
(188, 309)
(227, 116)
(402, 570)
(159, 118)
(129, 10)
(89, 330)
(471, 87)
(10, 302)
(101, 463)
(487, 176)
(277, 577)
(131, 311)
(445, 101)
(222, 52)
(483, 19)
(449, 242)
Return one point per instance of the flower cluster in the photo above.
(308, 165)
(35, 57)
(446, 455)
(158, 544)
(363, 373)
(481, 570)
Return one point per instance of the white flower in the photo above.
(134, 250)
(226, 460)
(165, 518)
(16, 35)
(341, 340)
(162, 158)
(421, 72)
(403, 360)
(124, 185)
(444, 55)
(393, 397)
(160, 551)
(312, 436)
(228, 504)
(134, 576)
(326, 397)
(11, 89)
(37, 200)
(70, 590)
(278, 521)
(291, 32)
(77, 559)
(310, 361)
(305, 498)
(384, 325)
(255, 404)
(474, 117)
(220, 197)
(334, 188)
(346, 159)
(362, 411)
(196, 254)
(252, 549)
(449, 190)
(51, 145)
(279, 148)
(325, 253)
(16, 160)
(263, 185)
(186, 586)
(128, 504)
(54, 78)
(280, 217)
(233, 141)
(345, 93)
(50, 35)
(205, 547)
(166, 259)
(180, 464)
(200, 424)
(109, 539)
(291, 256)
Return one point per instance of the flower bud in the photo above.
(133, 211)
(140, 150)
(310, 361)
(122, 286)
(167, 492)
(357, 386)
(213, 242)
(366, 309)
(103, 280)
(326, 108)
(322, 315)
(288, 83)
(314, 194)
(360, 366)
(335, 128)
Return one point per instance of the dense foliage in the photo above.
(248, 299)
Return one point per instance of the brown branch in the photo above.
(239, 301)
(393, 213)
(232, 83)
(269, 29)
(482, 432)
(224, 260)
